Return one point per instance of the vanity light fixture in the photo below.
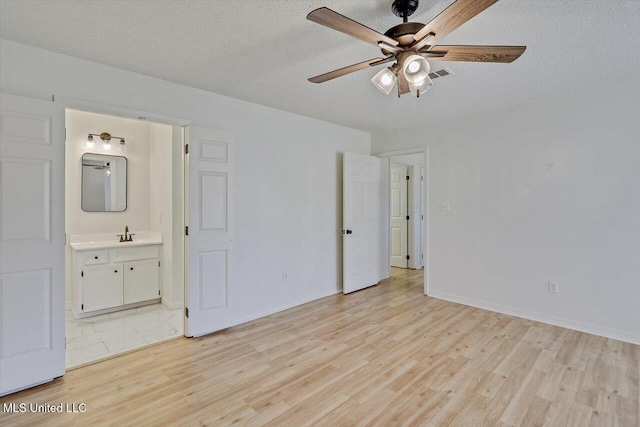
(89, 143)
(106, 140)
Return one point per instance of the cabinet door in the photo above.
(141, 281)
(102, 287)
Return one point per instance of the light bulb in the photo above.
(386, 79)
(415, 69)
(106, 146)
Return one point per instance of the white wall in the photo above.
(417, 161)
(285, 222)
(136, 134)
(161, 202)
(541, 192)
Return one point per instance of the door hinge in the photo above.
(186, 312)
(158, 291)
(408, 257)
(82, 274)
(407, 217)
(81, 306)
(186, 149)
(186, 230)
(421, 216)
(158, 263)
(422, 178)
(407, 177)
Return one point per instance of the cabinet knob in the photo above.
(95, 257)
(131, 268)
(115, 271)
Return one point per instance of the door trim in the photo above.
(427, 204)
(119, 111)
(134, 114)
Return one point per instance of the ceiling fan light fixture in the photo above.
(385, 80)
(415, 69)
(418, 89)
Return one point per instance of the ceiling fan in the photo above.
(411, 44)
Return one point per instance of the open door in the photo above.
(399, 216)
(32, 242)
(209, 237)
(362, 234)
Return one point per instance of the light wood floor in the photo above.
(384, 356)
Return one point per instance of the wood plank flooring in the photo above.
(384, 356)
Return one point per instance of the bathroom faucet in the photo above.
(126, 237)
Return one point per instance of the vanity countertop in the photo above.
(91, 242)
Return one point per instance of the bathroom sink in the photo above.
(108, 241)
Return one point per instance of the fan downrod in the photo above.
(404, 8)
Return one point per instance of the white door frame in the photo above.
(130, 113)
(426, 234)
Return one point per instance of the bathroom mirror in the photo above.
(104, 183)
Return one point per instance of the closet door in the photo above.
(32, 242)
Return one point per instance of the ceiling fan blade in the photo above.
(350, 69)
(452, 17)
(503, 54)
(329, 18)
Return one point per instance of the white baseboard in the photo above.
(171, 305)
(589, 328)
(276, 310)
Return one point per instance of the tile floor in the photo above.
(101, 336)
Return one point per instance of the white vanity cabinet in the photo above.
(110, 279)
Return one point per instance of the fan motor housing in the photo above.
(404, 32)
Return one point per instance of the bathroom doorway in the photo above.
(124, 224)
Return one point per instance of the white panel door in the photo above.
(210, 166)
(399, 223)
(362, 230)
(32, 242)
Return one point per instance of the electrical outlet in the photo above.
(284, 277)
(553, 287)
(445, 207)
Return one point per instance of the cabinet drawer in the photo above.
(97, 257)
(132, 254)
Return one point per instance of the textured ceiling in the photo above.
(264, 51)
